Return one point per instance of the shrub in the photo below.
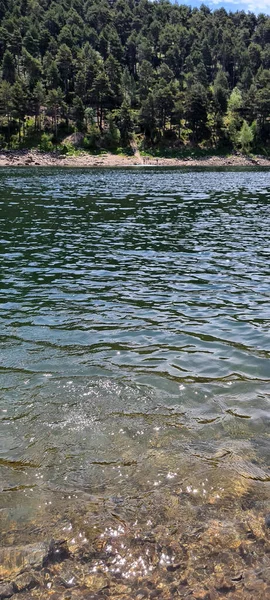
(246, 136)
(14, 142)
(92, 140)
(111, 138)
(46, 144)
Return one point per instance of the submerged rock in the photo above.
(171, 544)
(15, 559)
(26, 581)
(6, 590)
(58, 551)
(96, 582)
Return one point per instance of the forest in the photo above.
(164, 74)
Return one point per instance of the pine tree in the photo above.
(245, 137)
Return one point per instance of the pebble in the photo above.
(26, 581)
(267, 520)
(96, 582)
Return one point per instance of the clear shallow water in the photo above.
(134, 340)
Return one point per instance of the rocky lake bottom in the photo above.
(134, 391)
(205, 542)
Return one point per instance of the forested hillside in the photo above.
(169, 74)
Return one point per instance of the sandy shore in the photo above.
(35, 158)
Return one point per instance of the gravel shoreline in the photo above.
(35, 158)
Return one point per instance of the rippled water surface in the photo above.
(134, 348)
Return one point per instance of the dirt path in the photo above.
(136, 151)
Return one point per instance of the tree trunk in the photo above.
(101, 117)
(8, 131)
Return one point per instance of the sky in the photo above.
(256, 6)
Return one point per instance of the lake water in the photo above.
(135, 377)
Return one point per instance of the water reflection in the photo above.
(135, 376)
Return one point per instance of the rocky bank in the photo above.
(35, 158)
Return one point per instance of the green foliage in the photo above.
(196, 111)
(233, 119)
(68, 149)
(46, 144)
(125, 122)
(8, 67)
(245, 138)
(78, 112)
(220, 92)
(92, 140)
(6, 98)
(107, 68)
(235, 101)
(112, 136)
(14, 143)
(147, 118)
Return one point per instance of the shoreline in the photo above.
(22, 158)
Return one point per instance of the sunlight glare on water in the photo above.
(134, 343)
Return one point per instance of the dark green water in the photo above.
(134, 339)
